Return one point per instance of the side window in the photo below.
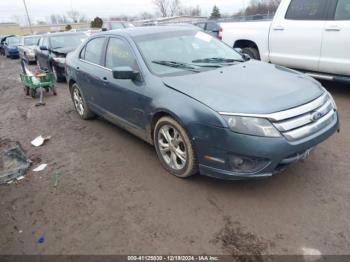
(94, 50)
(45, 42)
(343, 10)
(201, 25)
(119, 54)
(40, 42)
(212, 27)
(306, 10)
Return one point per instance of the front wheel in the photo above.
(80, 104)
(174, 148)
(252, 52)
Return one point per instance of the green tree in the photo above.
(215, 14)
(96, 23)
(68, 27)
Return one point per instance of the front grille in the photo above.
(303, 121)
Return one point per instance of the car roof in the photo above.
(148, 30)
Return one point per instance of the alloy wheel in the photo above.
(172, 147)
(78, 101)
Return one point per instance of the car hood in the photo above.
(63, 50)
(252, 87)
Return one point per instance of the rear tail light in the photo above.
(220, 33)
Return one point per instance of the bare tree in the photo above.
(174, 7)
(162, 6)
(146, 15)
(76, 16)
(190, 11)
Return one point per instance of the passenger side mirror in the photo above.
(124, 72)
(43, 48)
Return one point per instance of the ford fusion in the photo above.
(204, 107)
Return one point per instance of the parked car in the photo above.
(309, 35)
(210, 27)
(27, 47)
(2, 42)
(52, 50)
(199, 102)
(10, 46)
(112, 25)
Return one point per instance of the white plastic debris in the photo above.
(20, 178)
(39, 141)
(40, 168)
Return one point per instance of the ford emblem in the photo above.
(316, 116)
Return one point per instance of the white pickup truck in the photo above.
(308, 35)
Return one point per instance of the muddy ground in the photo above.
(113, 197)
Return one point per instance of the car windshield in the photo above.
(13, 41)
(68, 40)
(31, 40)
(116, 25)
(178, 52)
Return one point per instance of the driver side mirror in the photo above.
(124, 72)
(43, 48)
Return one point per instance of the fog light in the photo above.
(244, 164)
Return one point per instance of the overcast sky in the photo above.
(41, 9)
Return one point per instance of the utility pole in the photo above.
(30, 24)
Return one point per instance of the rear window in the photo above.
(306, 10)
(343, 10)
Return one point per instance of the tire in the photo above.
(27, 90)
(32, 92)
(180, 159)
(252, 52)
(80, 104)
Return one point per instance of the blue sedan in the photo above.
(206, 108)
(11, 46)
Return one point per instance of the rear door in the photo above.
(296, 34)
(335, 54)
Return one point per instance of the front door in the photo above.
(124, 98)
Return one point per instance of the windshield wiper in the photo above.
(216, 60)
(175, 64)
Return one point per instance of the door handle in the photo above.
(333, 29)
(278, 28)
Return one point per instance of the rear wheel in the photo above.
(80, 104)
(174, 148)
(252, 52)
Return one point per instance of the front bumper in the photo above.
(13, 53)
(215, 146)
(61, 69)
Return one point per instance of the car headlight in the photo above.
(60, 60)
(251, 126)
(332, 101)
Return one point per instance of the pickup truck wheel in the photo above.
(252, 52)
(80, 104)
(174, 148)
